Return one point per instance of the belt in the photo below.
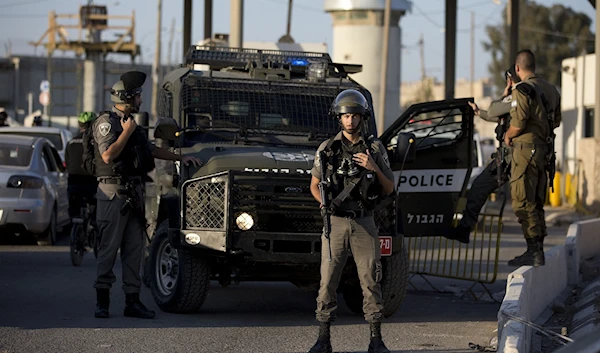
(522, 145)
(352, 214)
(119, 181)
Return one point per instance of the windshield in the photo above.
(259, 108)
(15, 156)
(52, 137)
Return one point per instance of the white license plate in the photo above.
(385, 244)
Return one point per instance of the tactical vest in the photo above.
(368, 192)
(134, 161)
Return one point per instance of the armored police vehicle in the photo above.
(255, 118)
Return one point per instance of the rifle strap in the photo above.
(347, 190)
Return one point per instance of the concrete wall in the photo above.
(26, 73)
(588, 177)
(529, 290)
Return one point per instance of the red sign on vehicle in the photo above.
(385, 244)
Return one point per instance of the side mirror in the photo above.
(406, 149)
(166, 129)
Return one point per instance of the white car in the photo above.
(58, 136)
(33, 188)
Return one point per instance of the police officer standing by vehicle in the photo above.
(356, 170)
(535, 113)
(497, 172)
(123, 156)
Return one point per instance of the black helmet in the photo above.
(130, 84)
(350, 101)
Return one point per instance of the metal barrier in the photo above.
(476, 262)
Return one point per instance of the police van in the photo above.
(256, 118)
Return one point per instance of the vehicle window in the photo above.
(57, 160)
(46, 156)
(54, 138)
(15, 156)
(434, 129)
(261, 105)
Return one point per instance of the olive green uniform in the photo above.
(529, 180)
(486, 182)
(116, 231)
(357, 234)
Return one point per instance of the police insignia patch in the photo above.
(513, 104)
(104, 129)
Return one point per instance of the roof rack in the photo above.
(222, 57)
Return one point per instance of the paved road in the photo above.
(46, 305)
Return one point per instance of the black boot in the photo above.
(102, 303)
(376, 345)
(534, 256)
(323, 344)
(459, 233)
(135, 308)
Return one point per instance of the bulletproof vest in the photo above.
(341, 170)
(134, 161)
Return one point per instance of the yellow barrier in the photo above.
(476, 261)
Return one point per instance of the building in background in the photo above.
(577, 149)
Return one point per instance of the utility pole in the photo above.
(187, 26)
(287, 37)
(208, 5)
(387, 12)
(450, 49)
(170, 45)
(472, 54)
(236, 24)
(597, 104)
(512, 17)
(156, 65)
(422, 56)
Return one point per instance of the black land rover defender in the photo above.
(256, 118)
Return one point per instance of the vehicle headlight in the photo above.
(244, 221)
(192, 239)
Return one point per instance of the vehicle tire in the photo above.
(77, 251)
(49, 235)
(393, 285)
(179, 280)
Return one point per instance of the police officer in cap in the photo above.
(361, 164)
(488, 181)
(123, 156)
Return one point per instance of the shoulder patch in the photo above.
(513, 104)
(104, 129)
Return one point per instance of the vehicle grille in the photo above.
(205, 202)
(276, 203)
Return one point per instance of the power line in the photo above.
(4, 15)
(556, 34)
(22, 3)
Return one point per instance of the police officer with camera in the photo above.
(123, 157)
(497, 172)
(357, 172)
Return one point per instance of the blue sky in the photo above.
(265, 20)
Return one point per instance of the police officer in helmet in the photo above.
(123, 156)
(361, 164)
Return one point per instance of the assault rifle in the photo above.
(132, 200)
(325, 203)
(501, 152)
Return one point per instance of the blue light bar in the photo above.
(299, 62)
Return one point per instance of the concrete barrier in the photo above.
(530, 290)
(582, 243)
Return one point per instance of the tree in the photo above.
(551, 33)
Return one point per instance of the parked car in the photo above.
(58, 136)
(33, 188)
